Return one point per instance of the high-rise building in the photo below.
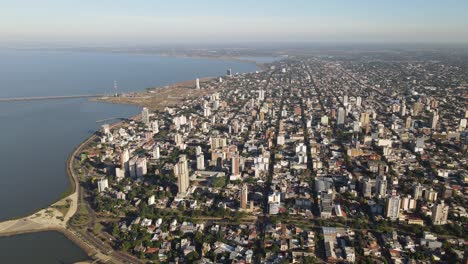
(119, 174)
(229, 72)
(356, 126)
(181, 171)
(281, 139)
(408, 122)
(345, 100)
(393, 207)
(418, 191)
(435, 119)
(217, 142)
(462, 125)
(417, 108)
(124, 158)
(145, 115)
(235, 165)
(364, 118)
(440, 213)
(403, 109)
(155, 127)
(324, 120)
(244, 196)
(367, 185)
(156, 153)
(106, 129)
(198, 150)
(341, 116)
(132, 167)
(178, 139)
(197, 83)
(358, 101)
(381, 186)
(141, 167)
(261, 95)
(206, 111)
(408, 203)
(430, 195)
(302, 157)
(200, 161)
(103, 184)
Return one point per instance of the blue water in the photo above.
(40, 248)
(39, 73)
(36, 137)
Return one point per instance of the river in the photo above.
(36, 137)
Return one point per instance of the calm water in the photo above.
(38, 248)
(36, 137)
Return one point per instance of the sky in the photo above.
(148, 22)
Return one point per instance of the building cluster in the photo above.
(312, 158)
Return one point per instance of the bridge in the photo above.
(17, 99)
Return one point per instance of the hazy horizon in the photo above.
(130, 23)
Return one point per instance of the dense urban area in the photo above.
(355, 157)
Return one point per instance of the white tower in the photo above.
(181, 171)
(145, 115)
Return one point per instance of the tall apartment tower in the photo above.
(103, 184)
(358, 101)
(236, 164)
(145, 115)
(364, 118)
(403, 109)
(261, 95)
(341, 116)
(392, 209)
(244, 194)
(124, 158)
(141, 168)
(200, 162)
(417, 191)
(435, 120)
(381, 186)
(408, 122)
(462, 125)
(198, 150)
(197, 83)
(155, 127)
(181, 171)
(105, 129)
(440, 213)
(156, 152)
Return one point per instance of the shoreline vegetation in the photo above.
(56, 217)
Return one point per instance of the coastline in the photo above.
(243, 58)
(44, 223)
(27, 225)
